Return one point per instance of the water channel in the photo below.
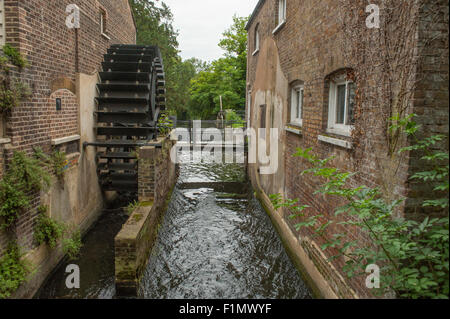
(214, 242)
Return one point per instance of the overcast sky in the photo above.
(202, 22)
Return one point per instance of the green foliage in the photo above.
(12, 201)
(165, 124)
(154, 24)
(12, 92)
(28, 172)
(59, 161)
(231, 116)
(13, 271)
(412, 256)
(225, 77)
(73, 245)
(47, 231)
(25, 174)
(132, 207)
(14, 56)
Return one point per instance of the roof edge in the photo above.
(255, 12)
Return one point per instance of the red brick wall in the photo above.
(310, 48)
(38, 29)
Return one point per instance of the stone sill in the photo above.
(64, 140)
(5, 141)
(293, 129)
(106, 36)
(335, 141)
(278, 28)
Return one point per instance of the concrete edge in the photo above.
(314, 279)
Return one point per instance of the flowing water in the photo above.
(214, 242)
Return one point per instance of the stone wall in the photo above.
(310, 47)
(134, 243)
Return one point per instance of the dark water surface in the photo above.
(211, 245)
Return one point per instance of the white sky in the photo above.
(201, 23)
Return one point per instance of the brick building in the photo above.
(62, 74)
(309, 63)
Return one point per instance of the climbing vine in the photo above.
(12, 92)
(25, 175)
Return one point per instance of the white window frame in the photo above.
(295, 107)
(102, 23)
(333, 127)
(249, 108)
(257, 39)
(281, 15)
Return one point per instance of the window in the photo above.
(103, 22)
(256, 44)
(281, 12)
(297, 96)
(341, 106)
(249, 108)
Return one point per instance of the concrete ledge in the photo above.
(133, 246)
(293, 130)
(5, 141)
(67, 139)
(335, 141)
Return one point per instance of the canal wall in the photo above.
(157, 175)
(321, 275)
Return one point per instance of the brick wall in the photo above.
(309, 48)
(37, 28)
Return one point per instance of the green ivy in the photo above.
(72, 245)
(13, 271)
(47, 230)
(413, 256)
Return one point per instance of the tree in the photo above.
(224, 77)
(155, 27)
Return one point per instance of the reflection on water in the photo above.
(210, 245)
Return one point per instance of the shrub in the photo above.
(14, 56)
(13, 271)
(413, 256)
(47, 231)
(73, 245)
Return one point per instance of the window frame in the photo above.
(298, 121)
(333, 127)
(103, 22)
(257, 40)
(281, 16)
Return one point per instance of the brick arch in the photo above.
(64, 122)
(63, 83)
